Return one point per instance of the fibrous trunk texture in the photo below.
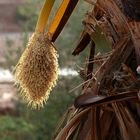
(109, 105)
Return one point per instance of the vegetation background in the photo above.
(39, 124)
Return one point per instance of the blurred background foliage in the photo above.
(40, 124)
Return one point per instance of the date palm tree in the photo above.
(108, 108)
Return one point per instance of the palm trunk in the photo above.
(109, 106)
(131, 8)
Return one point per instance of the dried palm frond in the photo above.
(109, 106)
